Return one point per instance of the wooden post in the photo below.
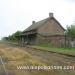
(22, 41)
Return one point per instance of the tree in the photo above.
(71, 31)
(17, 33)
(13, 36)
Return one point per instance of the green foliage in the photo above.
(16, 33)
(71, 31)
(45, 45)
(13, 36)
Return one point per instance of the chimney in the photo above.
(33, 22)
(50, 15)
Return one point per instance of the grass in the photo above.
(16, 56)
(64, 50)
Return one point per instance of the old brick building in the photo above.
(45, 31)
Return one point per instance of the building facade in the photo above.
(47, 31)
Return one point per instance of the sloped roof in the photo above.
(36, 25)
(40, 23)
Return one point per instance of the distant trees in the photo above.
(5, 38)
(12, 37)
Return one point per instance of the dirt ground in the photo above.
(15, 56)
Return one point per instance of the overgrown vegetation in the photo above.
(12, 37)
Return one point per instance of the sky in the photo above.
(19, 14)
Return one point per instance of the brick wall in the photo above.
(56, 41)
(51, 27)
